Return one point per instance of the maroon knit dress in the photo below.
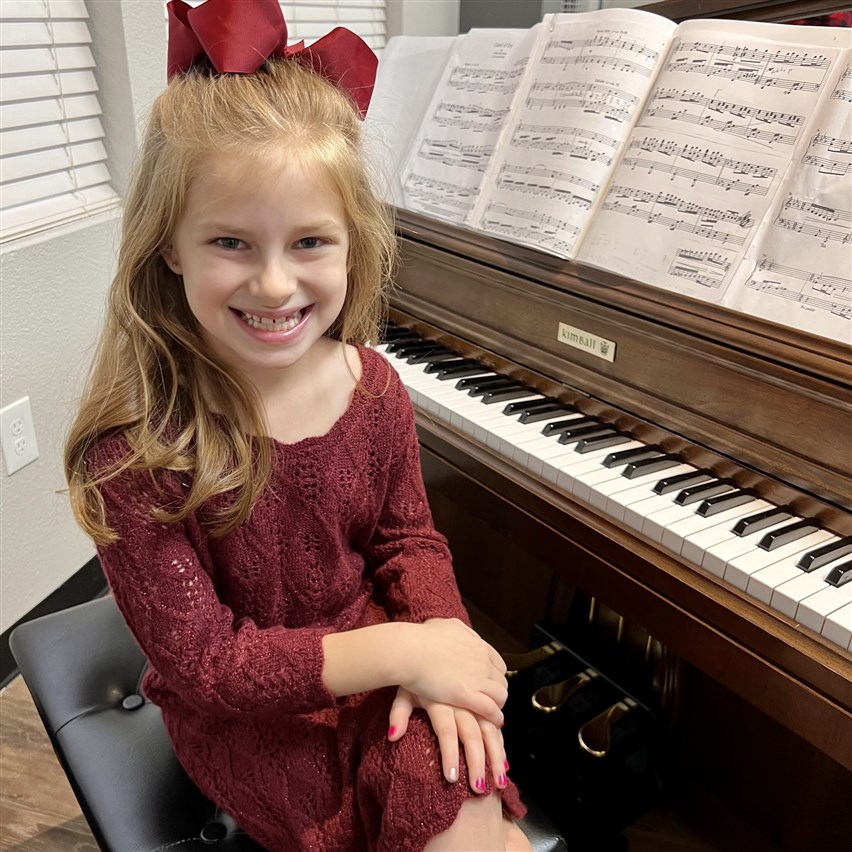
(341, 538)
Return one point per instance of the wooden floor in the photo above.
(38, 811)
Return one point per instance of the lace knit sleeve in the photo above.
(410, 559)
(222, 666)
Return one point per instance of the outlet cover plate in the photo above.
(17, 435)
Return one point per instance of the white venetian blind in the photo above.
(311, 19)
(52, 158)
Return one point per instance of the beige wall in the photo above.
(52, 291)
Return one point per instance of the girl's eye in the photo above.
(229, 243)
(310, 242)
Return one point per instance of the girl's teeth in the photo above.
(267, 324)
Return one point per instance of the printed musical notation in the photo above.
(702, 221)
(606, 101)
(826, 292)
(706, 268)
(550, 175)
(539, 229)
(576, 142)
(756, 66)
(762, 174)
(834, 166)
(753, 123)
(469, 116)
(485, 80)
(843, 90)
(435, 196)
(450, 152)
(809, 228)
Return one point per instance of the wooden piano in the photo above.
(758, 710)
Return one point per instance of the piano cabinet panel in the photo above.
(794, 678)
(758, 411)
(731, 773)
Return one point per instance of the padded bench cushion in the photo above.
(83, 669)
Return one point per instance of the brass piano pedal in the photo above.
(595, 737)
(516, 663)
(550, 698)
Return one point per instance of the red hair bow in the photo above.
(238, 36)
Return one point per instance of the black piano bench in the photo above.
(83, 669)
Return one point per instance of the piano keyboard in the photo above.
(767, 552)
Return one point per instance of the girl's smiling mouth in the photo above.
(272, 327)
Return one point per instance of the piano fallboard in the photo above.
(762, 405)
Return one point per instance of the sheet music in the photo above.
(709, 152)
(585, 83)
(798, 271)
(457, 139)
(408, 74)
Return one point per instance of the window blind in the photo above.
(52, 159)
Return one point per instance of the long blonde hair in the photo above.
(153, 378)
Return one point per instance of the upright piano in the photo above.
(752, 674)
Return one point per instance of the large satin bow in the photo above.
(238, 36)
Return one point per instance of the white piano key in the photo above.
(741, 568)
(813, 610)
(566, 461)
(680, 531)
(600, 493)
(717, 556)
(838, 627)
(783, 585)
(694, 545)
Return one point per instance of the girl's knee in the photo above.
(479, 827)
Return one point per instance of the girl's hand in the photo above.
(452, 726)
(448, 663)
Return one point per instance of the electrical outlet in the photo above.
(17, 434)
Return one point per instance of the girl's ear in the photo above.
(169, 255)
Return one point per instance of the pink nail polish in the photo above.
(506, 765)
(502, 781)
(391, 731)
(480, 784)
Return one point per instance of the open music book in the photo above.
(712, 158)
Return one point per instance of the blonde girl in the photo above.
(249, 470)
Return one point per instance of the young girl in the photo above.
(250, 472)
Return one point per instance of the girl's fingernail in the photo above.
(502, 781)
(506, 765)
(453, 775)
(391, 731)
(480, 784)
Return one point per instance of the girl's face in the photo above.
(263, 255)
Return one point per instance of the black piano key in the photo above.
(820, 556)
(440, 365)
(840, 574)
(722, 502)
(505, 394)
(528, 405)
(643, 466)
(458, 371)
(573, 435)
(589, 445)
(702, 491)
(635, 454)
(418, 348)
(405, 340)
(480, 381)
(759, 522)
(493, 383)
(562, 425)
(538, 414)
(432, 356)
(394, 332)
(681, 480)
(792, 532)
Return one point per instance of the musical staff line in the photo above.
(596, 98)
(453, 153)
(549, 174)
(706, 268)
(600, 40)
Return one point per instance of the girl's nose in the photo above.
(273, 284)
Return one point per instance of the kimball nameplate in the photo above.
(579, 339)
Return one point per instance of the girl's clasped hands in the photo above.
(459, 680)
